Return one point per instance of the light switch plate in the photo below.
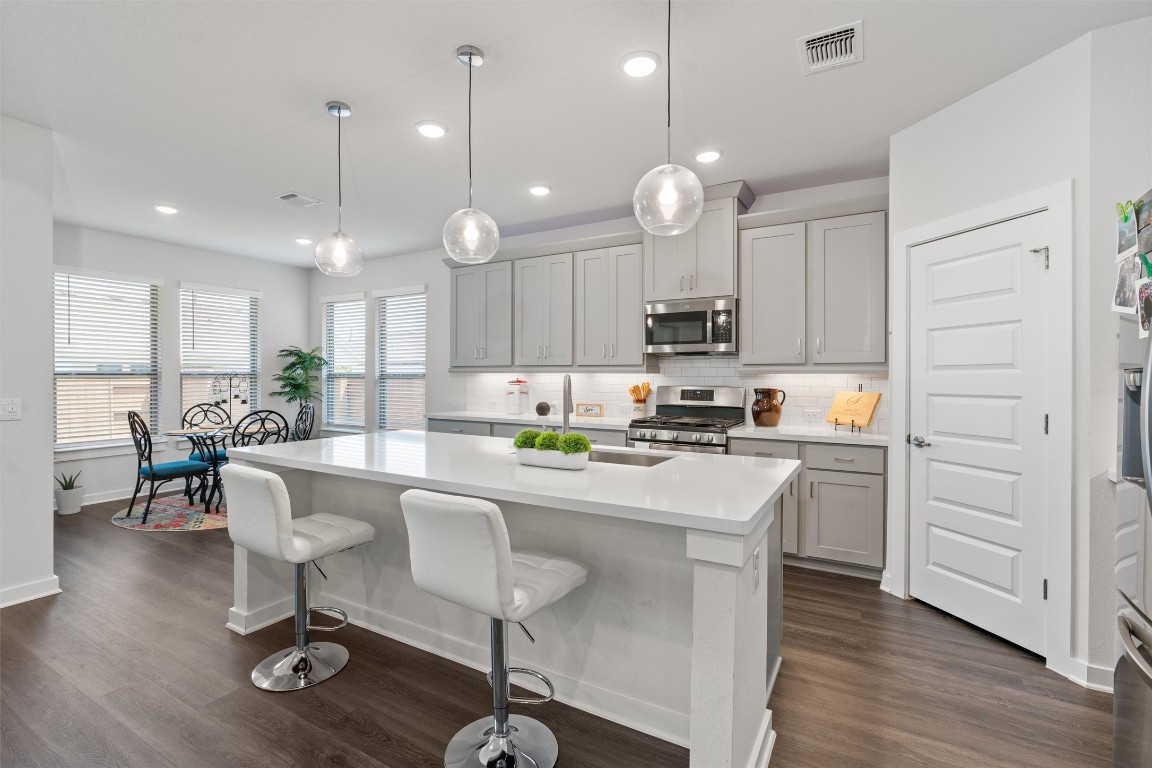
(11, 410)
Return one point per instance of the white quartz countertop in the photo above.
(710, 492)
(842, 436)
(529, 419)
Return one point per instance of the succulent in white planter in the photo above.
(69, 496)
(548, 449)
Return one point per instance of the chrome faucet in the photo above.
(567, 407)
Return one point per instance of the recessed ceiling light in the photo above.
(431, 129)
(167, 210)
(640, 63)
(303, 241)
(539, 189)
(709, 156)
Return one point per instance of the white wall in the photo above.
(1062, 117)
(26, 526)
(110, 473)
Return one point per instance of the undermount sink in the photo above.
(631, 459)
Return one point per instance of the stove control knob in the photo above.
(648, 435)
(710, 438)
(675, 435)
(696, 437)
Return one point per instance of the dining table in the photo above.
(210, 443)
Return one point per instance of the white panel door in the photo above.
(978, 399)
(772, 287)
(592, 307)
(626, 305)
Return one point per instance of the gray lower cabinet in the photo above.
(460, 427)
(844, 517)
(791, 500)
(482, 315)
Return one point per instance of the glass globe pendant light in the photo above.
(669, 198)
(470, 235)
(338, 254)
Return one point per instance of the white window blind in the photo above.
(219, 351)
(344, 327)
(401, 368)
(107, 358)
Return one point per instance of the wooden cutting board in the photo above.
(849, 406)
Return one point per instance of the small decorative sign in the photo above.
(593, 410)
(853, 408)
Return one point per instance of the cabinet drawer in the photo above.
(618, 439)
(844, 458)
(771, 449)
(460, 427)
(507, 430)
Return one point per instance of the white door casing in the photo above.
(978, 397)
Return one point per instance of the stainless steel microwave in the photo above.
(703, 326)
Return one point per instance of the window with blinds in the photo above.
(219, 350)
(107, 358)
(344, 328)
(401, 368)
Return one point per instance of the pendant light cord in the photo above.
(470, 68)
(339, 174)
(668, 55)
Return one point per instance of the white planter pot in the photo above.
(69, 502)
(551, 459)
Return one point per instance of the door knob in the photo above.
(920, 442)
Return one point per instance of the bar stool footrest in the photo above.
(330, 628)
(530, 673)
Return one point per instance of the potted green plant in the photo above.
(548, 449)
(69, 496)
(299, 380)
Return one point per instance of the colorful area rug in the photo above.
(172, 513)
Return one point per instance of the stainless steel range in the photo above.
(690, 418)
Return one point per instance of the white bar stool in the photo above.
(260, 520)
(460, 552)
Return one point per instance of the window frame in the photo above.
(254, 328)
(379, 297)
(328, 376)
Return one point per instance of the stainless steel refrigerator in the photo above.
(1132, 699)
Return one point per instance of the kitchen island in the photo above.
(676, 633)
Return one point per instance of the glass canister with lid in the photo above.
(516, 396)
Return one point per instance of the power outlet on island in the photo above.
(11, 410)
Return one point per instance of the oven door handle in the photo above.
(1130, 649)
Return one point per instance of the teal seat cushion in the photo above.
(175, 469)
(221, 454)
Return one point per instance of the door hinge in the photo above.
(1045, 423)
(1045, 589)
(1044, 250)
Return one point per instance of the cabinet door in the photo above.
(772, 449)
(625, 305)
(530, 290)
(557, 309)
(592, 270)
(496, 315)
(664, 278)
(772, 287)
(844, 517)
(467, 297)
(451, 426)
(712, 269)
(847, 284)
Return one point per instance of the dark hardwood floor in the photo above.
(132, 666)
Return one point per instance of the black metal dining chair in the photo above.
(259, 428)
(304, 420)
(158, 474)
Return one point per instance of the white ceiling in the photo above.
(217, 107)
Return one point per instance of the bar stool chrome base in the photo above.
(530, 745)
(291, 669)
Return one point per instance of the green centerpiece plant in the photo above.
(549, 449)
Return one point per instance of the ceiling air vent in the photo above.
(832, 48)
(299, 201)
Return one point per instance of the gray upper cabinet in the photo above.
(482, 315)
(847, 289)
(609, 306)
(700, 263)
(542, 298)
(772, 282)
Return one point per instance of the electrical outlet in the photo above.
(756, 569)
(11, 410)
(812, 414)
(492, 405)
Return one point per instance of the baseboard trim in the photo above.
(844, 569)
(1091, 676)
(33, 590)
(632, 713)
(765, 742)
(99, 498)
(247, 623)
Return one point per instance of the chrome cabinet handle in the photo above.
(613, 350)
(603, 350)
(765, 453)
(545, 351)
(681, 282)
(791, 485)
(840, 458)
(475, 353)
(483, 352)
(799, 342)
(691, 282)
(457, 430)
(811, 489)
(920, 442)
(539, 351)
(817, 345)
